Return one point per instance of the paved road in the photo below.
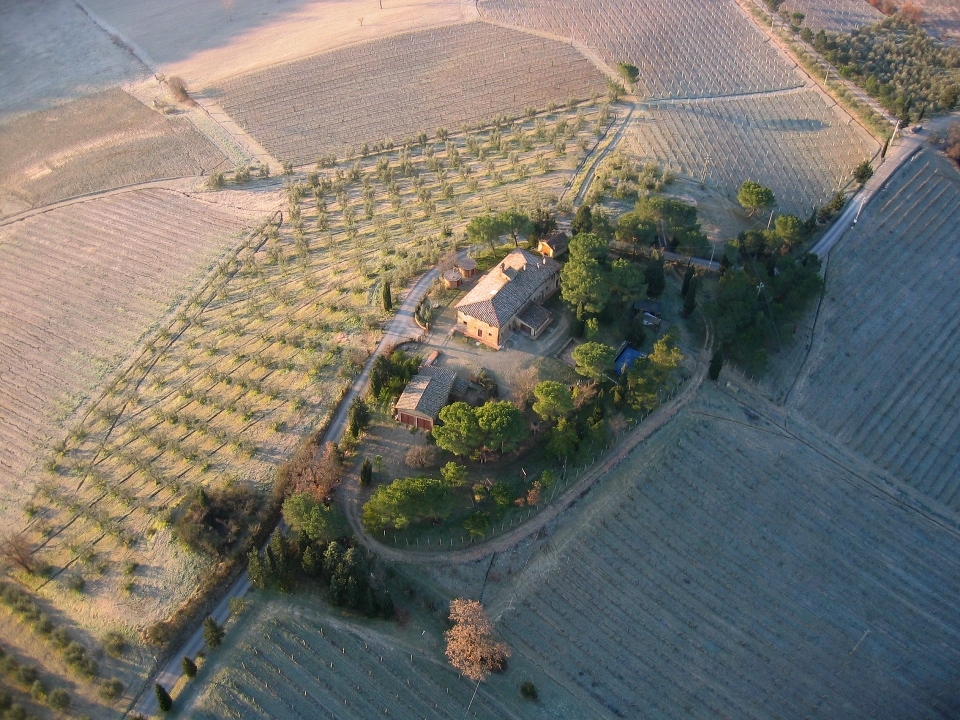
(402, 327)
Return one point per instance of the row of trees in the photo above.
(487, 229)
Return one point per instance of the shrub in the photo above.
(215, 180)
(59, 700)
(212, 632)
(114, 643)
(178, 89)
(422, 457)
(529, 691)
(110, 689)
(214, 522)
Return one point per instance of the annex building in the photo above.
(508, 298)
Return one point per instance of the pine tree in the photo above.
(716, 365)
(164, 701)
(387, 297)
(212, 632)
(189, 667)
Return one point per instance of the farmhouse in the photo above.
(424, 396)
(554, 245)
(507, 298)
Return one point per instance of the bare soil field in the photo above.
(294, 660)
(103, 141)
(51, 52)
(79, 286)
(791, 142)
(687, 48)
(206, 42)
(834, 15)
(730, 570)
(881, 374)
(417, 82)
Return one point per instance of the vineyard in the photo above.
(792, 143)
(729, 570)
(405, 85)
(299, 663)
(259, 356)
(688, 48)
(834, 15)
(881, 375)
(102, 141)
(80, 285)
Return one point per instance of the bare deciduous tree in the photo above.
(471, 647)
(16, 550)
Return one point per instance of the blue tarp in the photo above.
(625, 359)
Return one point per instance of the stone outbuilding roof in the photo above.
(558, 242)
(507, 287)
(427, 392)
(467, 263)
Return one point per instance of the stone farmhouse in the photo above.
(508, 298)
(424, 396)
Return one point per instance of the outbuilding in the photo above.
(424, 396)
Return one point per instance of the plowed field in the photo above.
(398, 87)
(882, 375)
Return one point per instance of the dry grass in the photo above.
(103, 141)
(208, 42)
(448, 77)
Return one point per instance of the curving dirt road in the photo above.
(507, 540)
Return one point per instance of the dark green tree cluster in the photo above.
(345, 572)
(390, 373)
(756, 307)
(675, 220)
(407, 501)
(488, 229)
(767, 245)
(214, 522)
(590, 282)
(28, 680)
(497, 426)
(898, 63)
(358, 417)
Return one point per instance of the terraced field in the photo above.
(729, 570)
(686, 48)
(834, 15)
(258, 356)
(103, 141)
(298, 663)
(78, 287)
(791, 142)
(402, 86)
(882, 371)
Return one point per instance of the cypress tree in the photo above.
(366, 472)
(687, 277)
(387, 297)
(690, 300)
(189, 667)
(164, 701)
(716, 365)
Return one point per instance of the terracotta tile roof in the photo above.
(427, 392)
(557, 242)
(507, 287)
(535, 316)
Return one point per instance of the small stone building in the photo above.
(508, 298)
(452, 278)
(424, 396)
(554, 245)
(467, 267)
